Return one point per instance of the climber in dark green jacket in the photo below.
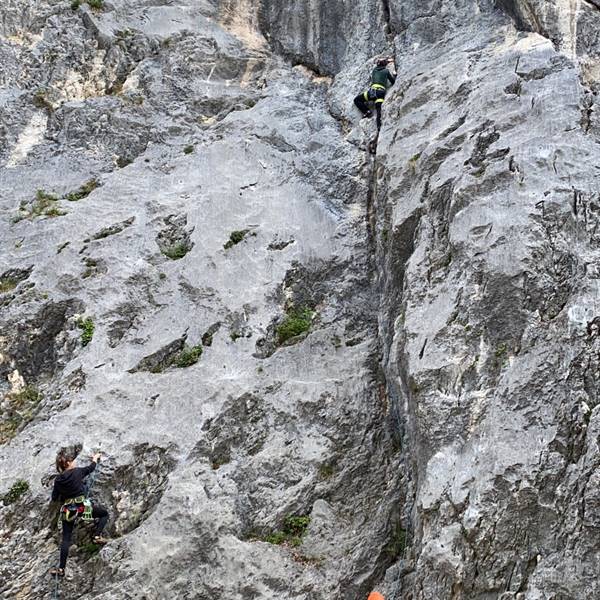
(380, 78)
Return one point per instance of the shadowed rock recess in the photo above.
(313, 371)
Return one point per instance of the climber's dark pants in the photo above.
(364, 104)
(99, 513)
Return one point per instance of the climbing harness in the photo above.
(376, 93)
(76, 508)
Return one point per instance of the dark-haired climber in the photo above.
(70, 489)
(375, 94)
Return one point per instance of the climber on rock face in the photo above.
(70, 489)
(380, 78)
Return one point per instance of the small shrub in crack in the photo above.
(90, 549)
(95, 4)
(87, 330)
(44, 205)
(40, 100)
(18, 409)
(7, 284)
(188, 149)
(296, 322)
(235, 238)
(326, 471)
(123, 161)
(188, 357)
(10, 279)
(17, 490)
(85, 190)
(174, 240)
(177, 251)
(292, 532)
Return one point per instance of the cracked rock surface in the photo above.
(313, 371)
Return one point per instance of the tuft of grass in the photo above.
(326, 471)
(91, 549)
(75, 4)
(17, 489)
(95, 4)
(188, 357)
(176, 251)
(296, 322)
(40, 100)
(501, 350)
(412, 162)
(188, 149)
(87, 330)
(123, 161)
(44, 205)
(54, 212)
(235, 238)
(85, 190)
(7, 284)
(292, 532)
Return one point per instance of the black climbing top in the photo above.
(70, 483)
(381, 76)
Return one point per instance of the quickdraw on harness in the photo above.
(376, 93)
(76, 508)
(80, 507)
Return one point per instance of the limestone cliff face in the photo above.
(387, 362)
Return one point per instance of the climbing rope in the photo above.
(56, 595)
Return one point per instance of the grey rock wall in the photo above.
(184, 183)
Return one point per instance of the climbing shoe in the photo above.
(57, 572)
(368, 114)
(98, 539)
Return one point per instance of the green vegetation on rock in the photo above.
(18, 488)
(292, 532)
(85, 190)
(7, 284)
(326, 471)
(235, 238)
(296, 322)
(188, 357)
(176, 251)
(44, 205)
(87, 330)
(91, 549)
(40, 100)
